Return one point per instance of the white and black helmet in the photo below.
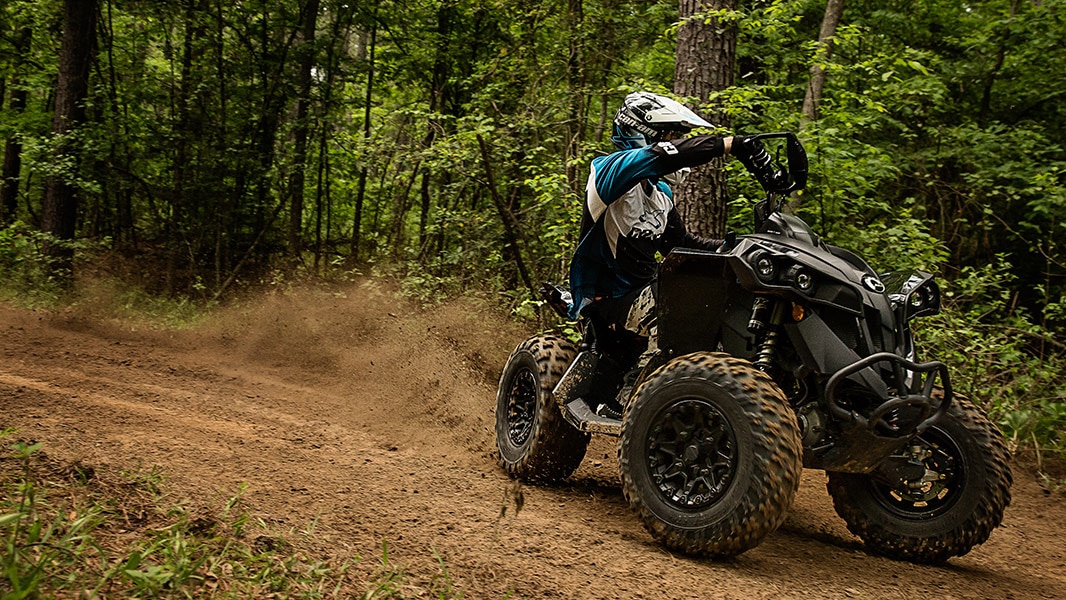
(646, 118)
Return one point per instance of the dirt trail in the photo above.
(374, 421)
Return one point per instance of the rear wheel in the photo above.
(953, 508)
(534, 442)
(710, 455)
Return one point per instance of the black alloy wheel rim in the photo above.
(692, 454)
(521, 407)
(939, 490)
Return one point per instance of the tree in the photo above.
(823, 51)
(360, 194)
(706, 51)
(576, 80)
(309, 20)
(937, 120)
(60, 207)
(185, 198)
(9, 177)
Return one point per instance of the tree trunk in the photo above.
(824, 50)
(511, 227)
(323, 190)
(706, 51)
(576, 81)
(181, 208)
(442, 101)
(361, 190)
(9, 179)
(309, 18)
(228, 207)
(990, 79)
(60, 200)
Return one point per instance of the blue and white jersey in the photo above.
(629, 216)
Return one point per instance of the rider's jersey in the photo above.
(629, 216)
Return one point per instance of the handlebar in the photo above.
(791, 176)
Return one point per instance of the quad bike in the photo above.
(776, 352)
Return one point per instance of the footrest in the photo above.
(578, 414)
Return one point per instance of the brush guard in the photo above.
(866, 441)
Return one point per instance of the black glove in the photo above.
(751, 153)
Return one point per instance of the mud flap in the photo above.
(571, 391)
(822, 349)
(694, 292)
(577, 381)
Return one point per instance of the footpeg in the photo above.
(578, 414)
(608, 410)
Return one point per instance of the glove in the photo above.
(751, 153)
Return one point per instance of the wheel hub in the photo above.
(692, 454)
(521, 407)
(935, 490)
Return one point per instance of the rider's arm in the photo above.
(690, 152)
(678, 236)
(616, 173)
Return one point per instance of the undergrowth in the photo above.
(1005, 360)
(70, 530)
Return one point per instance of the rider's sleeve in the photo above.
(616, 173)
(678, 236)
(688, 152)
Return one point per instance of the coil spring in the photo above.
(767, 353)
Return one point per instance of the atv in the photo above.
(776, 352)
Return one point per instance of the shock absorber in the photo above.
(760, 313)
(766, 352)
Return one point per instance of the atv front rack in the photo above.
(931, 408)
(867, 443)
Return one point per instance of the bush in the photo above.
(1001, 358)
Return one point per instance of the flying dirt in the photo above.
(373, 419)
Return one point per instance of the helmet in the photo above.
(646, 118)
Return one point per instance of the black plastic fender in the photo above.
(705, 299)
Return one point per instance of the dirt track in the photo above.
(375, 420)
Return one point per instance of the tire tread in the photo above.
(557, 448)
(994, 498)
(776, 467)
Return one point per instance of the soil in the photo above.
(371, 421)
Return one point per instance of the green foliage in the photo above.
(27, 276)
(1001, 357)
(115, 299)
(936, 148)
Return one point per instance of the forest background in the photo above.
(183, 150)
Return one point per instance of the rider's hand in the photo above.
(751, 153)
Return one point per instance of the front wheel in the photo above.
(954, 507)
(710, 455)
(534, 442)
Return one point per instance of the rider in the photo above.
(629, 212)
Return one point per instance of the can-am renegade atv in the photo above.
(777, 351)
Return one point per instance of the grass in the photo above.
(69, 530)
